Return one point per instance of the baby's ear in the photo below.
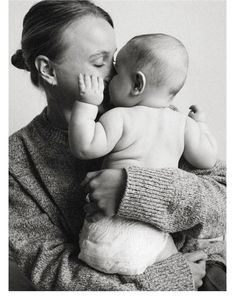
(139, 83)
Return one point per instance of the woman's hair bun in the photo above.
(18, 60)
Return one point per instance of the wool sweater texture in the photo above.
(46, 214)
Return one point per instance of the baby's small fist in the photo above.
(197, 113)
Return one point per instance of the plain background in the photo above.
(200, 25)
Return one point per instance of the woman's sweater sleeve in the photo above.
(49, 260)
(177, 199)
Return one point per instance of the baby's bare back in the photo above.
(152, 137)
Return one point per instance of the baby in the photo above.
(142, 130)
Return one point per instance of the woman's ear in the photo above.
(46, 69)
(139, 83)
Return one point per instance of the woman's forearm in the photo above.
(49, 260)
(44, 254)
(171, 274)
(174, 200)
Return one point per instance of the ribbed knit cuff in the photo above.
(175, 274)
(172, 274)
(148, 195)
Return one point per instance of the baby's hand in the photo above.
(91, 89)
(197, 114)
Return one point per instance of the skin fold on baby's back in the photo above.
(152, 137)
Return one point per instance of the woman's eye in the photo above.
(99, 62)
(99, 65)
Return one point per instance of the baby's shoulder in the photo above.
(115, 112)
(115, 116)
(177, 114)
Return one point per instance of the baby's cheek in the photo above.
(106, 104)
(111, 90)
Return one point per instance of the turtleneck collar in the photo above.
(46, 128)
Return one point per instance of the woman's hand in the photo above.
(197, 263)
(104, 190)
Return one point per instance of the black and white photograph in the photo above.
(117, 145)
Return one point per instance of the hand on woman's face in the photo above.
(90, 46)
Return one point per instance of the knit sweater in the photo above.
(46, 213)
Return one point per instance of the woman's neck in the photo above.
(58, 116)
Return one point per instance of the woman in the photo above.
(61, 39)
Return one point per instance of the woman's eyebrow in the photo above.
(100, 53)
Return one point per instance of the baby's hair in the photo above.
(162, 58)
(43, 27)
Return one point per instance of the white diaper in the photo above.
(117, 245)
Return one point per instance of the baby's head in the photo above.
(152, 64)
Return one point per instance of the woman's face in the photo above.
(90, 46)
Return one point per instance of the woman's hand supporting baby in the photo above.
(105, 189)
(197, 264)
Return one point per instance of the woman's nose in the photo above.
(111, 73)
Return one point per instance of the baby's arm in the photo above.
(89, 139)
(200, 145)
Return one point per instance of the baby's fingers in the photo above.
(100, 82)
(195, 109)
(196, 256)
(197, 113)
(87, 80)
(191, 114)
(81, 83)
(94, 82)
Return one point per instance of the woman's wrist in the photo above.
(146, 195)
(171, 274)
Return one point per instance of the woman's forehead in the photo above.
(90, 34)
